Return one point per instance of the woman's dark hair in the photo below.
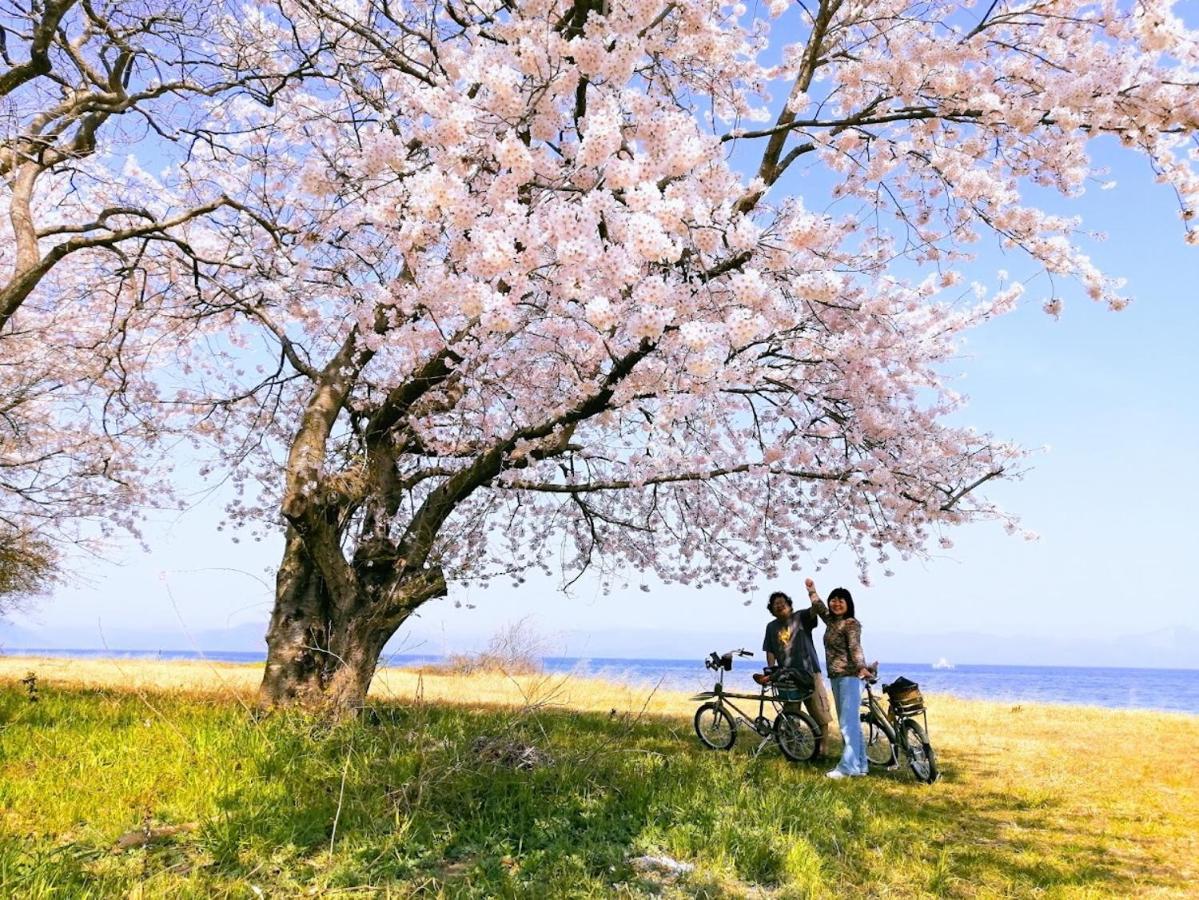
(843, 594)
(776, 595)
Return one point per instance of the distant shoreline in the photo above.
(1150, 690)
(404, 660)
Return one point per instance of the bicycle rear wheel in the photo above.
(921, 758)
(796, 734)
(879, 749)
(714, 727)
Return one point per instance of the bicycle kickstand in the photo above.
(761, 745)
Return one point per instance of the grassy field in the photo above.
(168, 786)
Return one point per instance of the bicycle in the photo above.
(795, 732)
(887, 733)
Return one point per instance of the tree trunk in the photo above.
(298, 626)
(322, 650)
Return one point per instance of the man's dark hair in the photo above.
(777, 594)
(845, 595)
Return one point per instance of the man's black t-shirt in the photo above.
(790, 640)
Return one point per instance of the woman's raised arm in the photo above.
(817, 603)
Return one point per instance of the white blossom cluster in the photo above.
(546, 238)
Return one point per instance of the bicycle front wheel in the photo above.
(796, 736)
(921, 758)
(879, 749)
(714, 727)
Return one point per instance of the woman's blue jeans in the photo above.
(847, 694)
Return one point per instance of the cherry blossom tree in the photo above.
(657, 286)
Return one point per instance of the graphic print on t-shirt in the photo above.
(784, 639)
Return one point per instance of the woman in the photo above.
(846, 667)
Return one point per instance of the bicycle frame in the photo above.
(876, 717)
(890, 723)
(755, 723)
(796, 734)
(723, 698)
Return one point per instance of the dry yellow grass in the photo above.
(241, 680)
(1024, 785)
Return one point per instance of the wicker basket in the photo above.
(905, 697)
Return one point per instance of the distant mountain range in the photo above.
(1171, 648)
(247, 637)
(1166, 648)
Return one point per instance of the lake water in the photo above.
(1164, 689)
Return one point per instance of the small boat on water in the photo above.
(942, 663)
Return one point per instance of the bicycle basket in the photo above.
(905, 696)
(791, 685)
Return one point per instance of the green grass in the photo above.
(406, 804)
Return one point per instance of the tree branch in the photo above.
(621, 485)
(39, 48)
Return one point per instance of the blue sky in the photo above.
(1112, 396)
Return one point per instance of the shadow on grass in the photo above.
(413, 800)
(424, 798)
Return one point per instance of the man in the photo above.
(788, 642)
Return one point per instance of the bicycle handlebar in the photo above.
(715, 659)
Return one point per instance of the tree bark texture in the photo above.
(322, 648)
